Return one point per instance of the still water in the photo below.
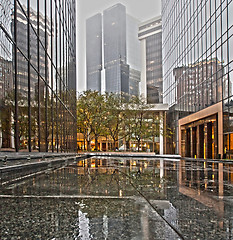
(123, 198)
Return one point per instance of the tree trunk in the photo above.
(88, 145)
(138, 145)
(127, 145)
(96, 143)
(114, 144)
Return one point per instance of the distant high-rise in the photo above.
(133, 54)
(120, 68)
(150, 35)
(116, 69)
(94, 52)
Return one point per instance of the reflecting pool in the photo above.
(122, 198)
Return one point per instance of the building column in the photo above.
(161, 133)
(220, 132)
(106, 145)
(198, 141)
(210, 140)
(191, 142)
(187, 143)
(215, 140)
(101, 147)
(205, 141)
(143, 92)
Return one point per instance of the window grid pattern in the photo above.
(198, 57)
(38, 49)
(197, 33)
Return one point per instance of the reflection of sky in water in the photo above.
(99, 199)
(83, 225)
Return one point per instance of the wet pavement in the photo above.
(122, 198)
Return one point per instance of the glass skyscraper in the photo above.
(94, 52)
(133, 55)
(113, 52)
(198, 74)
(150, 35)
(114, 32)
(38, 75)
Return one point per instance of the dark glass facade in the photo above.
(94, 52)
(198, 69)
(150, 34)
(38, 75)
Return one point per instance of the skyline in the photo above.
(143, 11)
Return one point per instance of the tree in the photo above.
(116, 116)
(140, 124)
(113, 118)
(91, 112)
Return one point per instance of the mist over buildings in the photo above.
(141, 10)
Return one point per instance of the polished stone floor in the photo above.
(122, 198)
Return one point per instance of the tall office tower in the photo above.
(198, 74)
(38, 52)
(150, 35)
(113, 47)
(133, 54)
(94, 52)
(115, 63)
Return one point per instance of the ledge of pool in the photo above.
(131, 154)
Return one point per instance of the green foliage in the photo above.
(114, 116)
(113, 120)
(90, 113)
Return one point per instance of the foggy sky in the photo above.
(141, 9)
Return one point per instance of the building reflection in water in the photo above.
(206, 182)
(97, 198)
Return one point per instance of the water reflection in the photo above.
(103, 198)
(83, 225)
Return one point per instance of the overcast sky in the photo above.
(140, 9)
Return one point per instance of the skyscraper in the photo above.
(133, 55)
(114, 32)
(118, 48)
(94, 52)
(198, 75)
(150, 35)
(38, 51)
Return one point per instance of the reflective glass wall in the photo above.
(150, 34)
(198, 57)
(37, 75)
